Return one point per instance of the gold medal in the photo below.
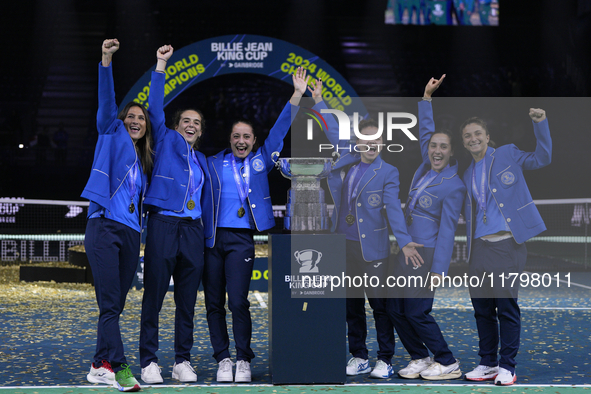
(241, 212)
(350, 219)
(191, 205)
(131, 208)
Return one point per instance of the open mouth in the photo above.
(241, 149)
(437, 159)
(190, 131)
(134, 129)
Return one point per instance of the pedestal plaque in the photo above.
(307, 334)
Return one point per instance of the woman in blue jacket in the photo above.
(241, 205)
(118, 180)
(431, 213)
(500, 217)
(177, 228)
(365, 189)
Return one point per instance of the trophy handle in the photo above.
(274, 158)
(335, 157)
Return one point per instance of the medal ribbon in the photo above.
(480, 197)
(132, 178)
(192, 187)
(352, 195)
(421, 186)
(241, 184)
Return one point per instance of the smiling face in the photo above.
(440, 151)
(135, 123)
(242, 140)
(189, 126)
(475, 139)
(369, 149)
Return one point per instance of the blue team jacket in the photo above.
(115, 153)
(377, 204)
(506, 184)
(169, 188)
(259, 198)
(436, 213)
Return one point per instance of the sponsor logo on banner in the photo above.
(242, 55)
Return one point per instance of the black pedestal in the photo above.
(307, 334)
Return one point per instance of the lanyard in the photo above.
(352, 194)
(192, 187)
(242, 186)
(480, 196)
(421, 185)
(132, 179)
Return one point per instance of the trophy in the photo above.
(305, 209)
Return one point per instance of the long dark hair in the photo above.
(176, 119)
(144, 144)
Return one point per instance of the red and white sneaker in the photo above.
(102, 373)
(505, 377)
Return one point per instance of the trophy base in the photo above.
(306, 223)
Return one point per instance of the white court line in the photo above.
(259, 298)
(551, 308)
(482, 385)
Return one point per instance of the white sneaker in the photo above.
(357, 366)
(225, 371)
(482, 372)
(437, 371)
(505, 377)
(151, 374)
(415, 367)
(382, 370)
(184, 372)
(242, 372)
(103, 374)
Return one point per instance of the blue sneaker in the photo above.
(382, 370)
(357, 366)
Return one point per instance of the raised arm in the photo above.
(542, 156)
(274, 141)
(110, 46)
(426, 123)
(316, 90)
(156, 98)
(300, 83)
(107, 109)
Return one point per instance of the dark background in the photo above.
(51, 49)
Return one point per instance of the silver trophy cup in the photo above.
(306, 208)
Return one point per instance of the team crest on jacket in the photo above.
(507, 177)
(374, 200)
(425, 201)
(258, 165)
